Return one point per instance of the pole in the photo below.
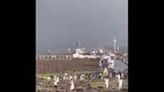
(114, 41)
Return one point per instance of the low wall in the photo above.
(53, 57)
(53, 66)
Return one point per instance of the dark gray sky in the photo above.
(60, 23)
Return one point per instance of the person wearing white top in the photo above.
(55, 83)
(82, 77)
(105, 72)
(120, 81)
(72, 84)
(65, 77)
(70, 77)
(106, 80)
(75, 77)
(56, 80)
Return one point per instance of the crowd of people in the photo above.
(105, 73)
(71, 79)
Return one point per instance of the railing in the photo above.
(53, 57)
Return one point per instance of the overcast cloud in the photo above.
(60, 23)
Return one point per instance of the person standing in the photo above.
(120, 81)
(72, 84)
(106, 80)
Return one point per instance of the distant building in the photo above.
(80, 53)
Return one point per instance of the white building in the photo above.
(80, 53)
